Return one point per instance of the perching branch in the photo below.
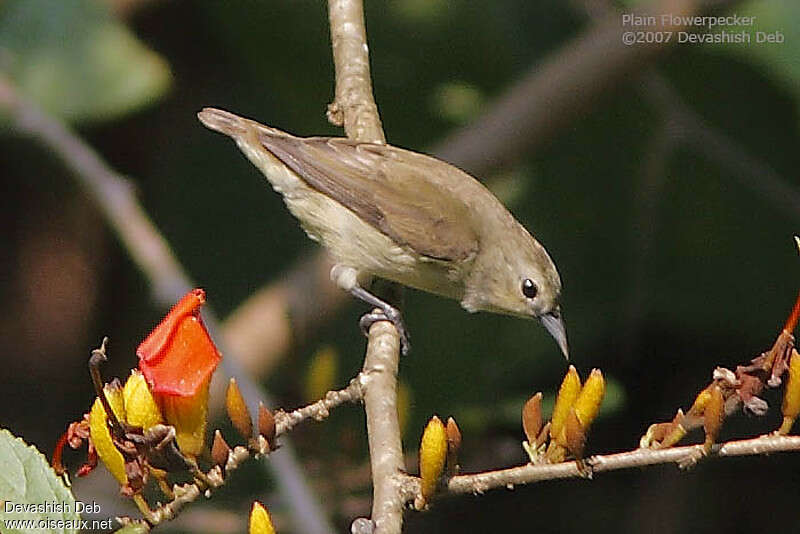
(355, 108)
(383, 426)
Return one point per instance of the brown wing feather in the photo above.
(387, 188)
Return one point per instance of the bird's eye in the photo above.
(529, 289)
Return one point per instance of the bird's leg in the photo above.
(387, 313)
(347, 278)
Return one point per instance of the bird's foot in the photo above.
(392, 315)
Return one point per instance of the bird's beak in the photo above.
(555, 325)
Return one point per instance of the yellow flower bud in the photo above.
(713, 416)
(700, 402)
(432, 454)
(567, 393)
(237, 410)
(322, 372)
(791, 397)
(140, 407)
(260, 522)
(188, 415)
(404, 398)
(590, 398)
(101, 435)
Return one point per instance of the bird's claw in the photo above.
(393, 316)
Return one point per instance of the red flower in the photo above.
(178, 357)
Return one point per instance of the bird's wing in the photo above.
(407, 196)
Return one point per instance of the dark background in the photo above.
(674, 260)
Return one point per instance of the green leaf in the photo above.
(76, 60)
(27, 480)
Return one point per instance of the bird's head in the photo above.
(517, 277)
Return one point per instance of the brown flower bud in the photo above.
(266, 424)
(219, 450)
(532, 418)
(453, 445)
(237, 410)
(575, 434)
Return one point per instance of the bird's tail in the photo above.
(231, 124)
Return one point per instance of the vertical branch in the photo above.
(354, 106)
(379, 383)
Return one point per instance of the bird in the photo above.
(387, 212)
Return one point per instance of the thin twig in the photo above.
(526, 474)
(285, 422)
(168, 281)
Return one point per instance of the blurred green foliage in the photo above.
(78, 61)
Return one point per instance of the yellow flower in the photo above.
(101, 436)
(140, 407)
(188, 415)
